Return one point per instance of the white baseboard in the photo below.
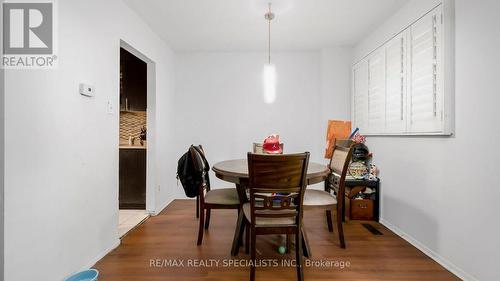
(101, 255)
(165, 204)
(430, 253)
(118, 241)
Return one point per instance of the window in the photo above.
(400, 87)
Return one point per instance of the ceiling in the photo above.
(239, 25)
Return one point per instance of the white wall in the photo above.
(61, 156)
(336, 83)
(2, 168)
(439, 192)
(219, 97)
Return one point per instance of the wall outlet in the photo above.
(87, 90)
(110, 108)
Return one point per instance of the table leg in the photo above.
(240, 225)
(238, 233)
(242, 193)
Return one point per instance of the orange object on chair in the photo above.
(337, 130)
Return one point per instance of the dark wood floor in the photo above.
(172, 236)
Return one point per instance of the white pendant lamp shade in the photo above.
(269, 82)
(269, 71)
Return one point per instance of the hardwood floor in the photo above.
(171, 236)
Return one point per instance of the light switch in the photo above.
(87, 90)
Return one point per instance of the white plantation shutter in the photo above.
(400, 87)
(376, 92)
(360, 97)
(425, 99)
(395, 104)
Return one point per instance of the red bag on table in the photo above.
(271, 145)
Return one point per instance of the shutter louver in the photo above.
(396, 84)
(376, 93)
(360, 108)
(425, 92)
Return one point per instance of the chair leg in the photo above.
(200, 229)
(197, 206)
(340, 229)
(207, 221)
(305, 244)
(298, 254)
(253, 255)
(288, 243)
(329, 220)
(247, 238)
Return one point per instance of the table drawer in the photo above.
(361, 209)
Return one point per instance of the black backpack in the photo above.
(190, 177)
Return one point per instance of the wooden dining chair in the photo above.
(277, 184)
(325, 199)
(225, 198)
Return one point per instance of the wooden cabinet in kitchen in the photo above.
(132, 193)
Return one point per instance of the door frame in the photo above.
(150, 125)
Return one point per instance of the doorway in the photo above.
(133, 144)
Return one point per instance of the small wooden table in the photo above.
(236, 171)
(375, 184)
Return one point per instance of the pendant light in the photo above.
(269, 73)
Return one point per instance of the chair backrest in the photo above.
(339, 158)
(339, 163)
(258, 148)
(200, 165)
(277, 184)
(343, 142)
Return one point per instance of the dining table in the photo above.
(236, 171)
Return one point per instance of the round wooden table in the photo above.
(236, 171)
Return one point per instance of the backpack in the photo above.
(190, 177)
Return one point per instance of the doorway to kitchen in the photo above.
(133, 140)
